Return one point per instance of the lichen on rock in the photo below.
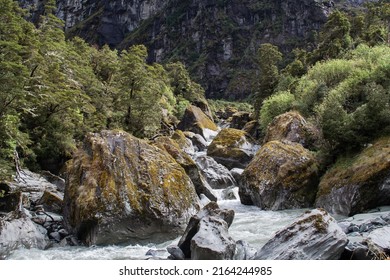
(357, 184)
(121, 189)
(282, 175)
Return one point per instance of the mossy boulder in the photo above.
(188, 164)
(291, 126)
(282, 175)
(252, 128)
(358, 184)
(122, 189)
(197, 121)
(232, 148)
(240, 119)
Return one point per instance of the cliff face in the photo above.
(217, 39)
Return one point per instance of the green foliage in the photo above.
(268, 59)
(275, 105)
(53, 91)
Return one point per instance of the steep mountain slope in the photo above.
(217, 39)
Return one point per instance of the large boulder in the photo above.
(291, 126)
(283, 175)
(192, 170)
(198, 122)
(21, 232)
(313, 236)
(206, 236)
(358, 184)
(184, 143)
(232, 148)
(217, 175)
(240, 119)
(121, 189)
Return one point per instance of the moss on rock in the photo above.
(196, 120)
(282, 175)
(293, 127)
(127, 189)
(358, 183)
(232, 148)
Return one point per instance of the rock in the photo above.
(226, 113)
(196, 121)
(184, 143)
(21, 232)
(232, 148)
(33, 185)
(237, 173)
(283, 175)
(56, 236)
(192, 170)
(54, 179)
(212, 241)
(176, 252)
(244, 251)
(11, 202)
(381, 238)
(220, 215)
(240, 119)
(356, 251)
(120, 188)
(229, 194)
(156, 253)
(291, 126)
(63, 232)
(313, 236)
(197, 140)
(217, 175)
(359, 184)
(252, 128)
(52, 202)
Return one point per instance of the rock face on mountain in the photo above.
(282, 175)
(360, 184)
(210, 36)
(121, 189)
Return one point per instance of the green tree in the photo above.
(16, 40)
(268, 59)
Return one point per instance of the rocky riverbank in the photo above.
(123, 190)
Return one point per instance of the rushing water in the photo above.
(250, 224)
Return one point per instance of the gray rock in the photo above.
(217, 175)
(313, 236)
(21, 232)
(229, 194)
(210, 210)
(236, 173)
(345, 226)
(381, 238)
(244, 251)
(176, 252)
(212, 241)
(56, 236)
(63, 232)
(356, 251)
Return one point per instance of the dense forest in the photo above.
(55, 90)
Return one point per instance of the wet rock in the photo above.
(229, 194)
(380, 237)
(120, 188)
(244, 251)
(197, 140)
(232, 148)
(184, 143)
(192, 170)
(237, 173)
(217, 175)
(218, 225)
(212, 240)
(291, 126)
(196, 121)
(283, 175)
(56, 236)
(21, 232)
(54, 179)
(313, 236)
(361, 185)
(176, 253)
(356, 251)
